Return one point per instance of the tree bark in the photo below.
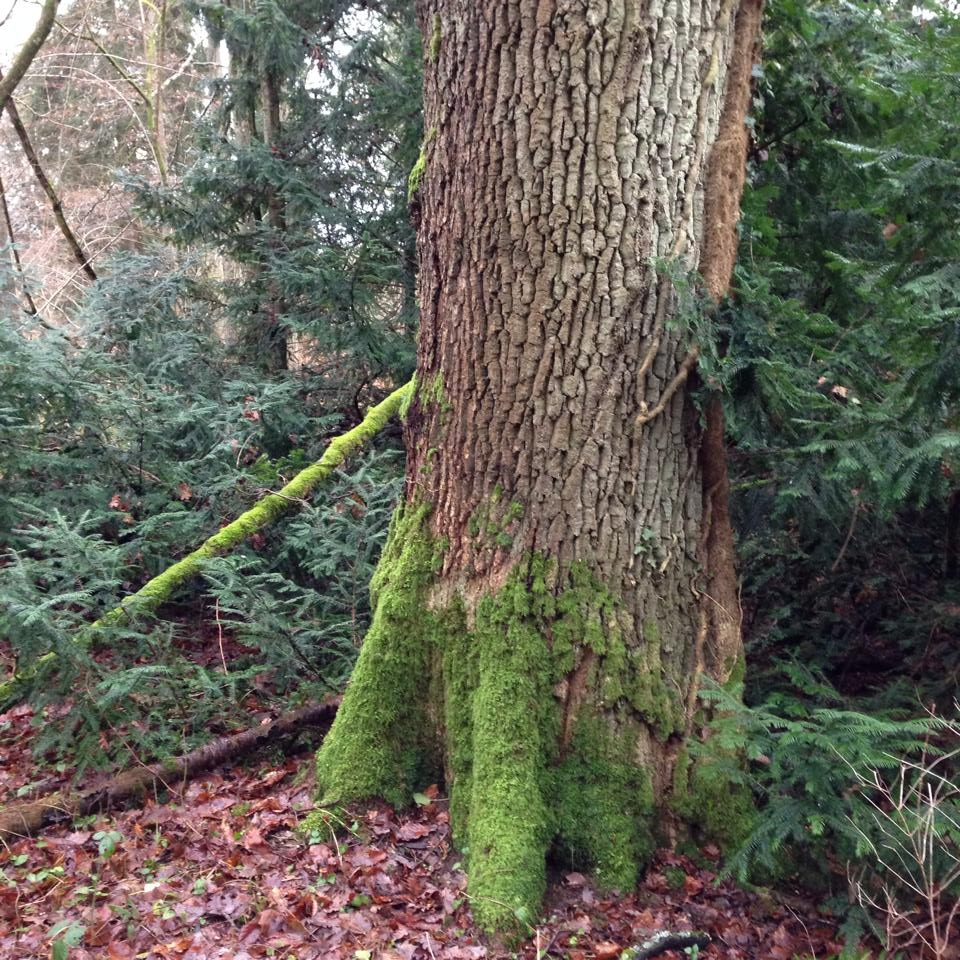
(561, 574)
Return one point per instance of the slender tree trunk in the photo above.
(17, 275)
(560, 575)
(79, 254)
(29, 50)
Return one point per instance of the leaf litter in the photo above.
(220, 868)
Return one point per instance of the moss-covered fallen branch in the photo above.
(261, 514)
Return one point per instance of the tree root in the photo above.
(26, 819)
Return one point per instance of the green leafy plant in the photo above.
(800, 761)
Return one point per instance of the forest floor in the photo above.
(219, 868)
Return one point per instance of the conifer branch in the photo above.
(268, 509)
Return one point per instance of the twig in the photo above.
(689, 362)
(850, 529)
(216, 614)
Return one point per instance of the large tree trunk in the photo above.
(560, 576)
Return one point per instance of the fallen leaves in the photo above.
(218, 869)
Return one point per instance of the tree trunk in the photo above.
(560, 575)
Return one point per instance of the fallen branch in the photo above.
(22, 820)
(666, 940)
(265, 511)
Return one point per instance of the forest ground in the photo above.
(217, 868)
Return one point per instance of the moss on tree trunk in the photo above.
(560, 577)
(478, 699)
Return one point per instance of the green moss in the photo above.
(460, 668)
(515, 723)
(491, 524)
(408, 399)
(420, 167)
(514, 512)
(707, 797)
(586, 612)
(380, 742)
(511, 800)
(433, 392)
(646, 690)
(482, 682)
(436, 37)
(604, 804)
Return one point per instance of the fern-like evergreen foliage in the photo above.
(842, 364)
(269, 304)
(145, 447)
(850, 254)
(819, 774)
(307, 214)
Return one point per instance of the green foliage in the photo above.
(843, 340)
(841, 359)
(273, 301)
(811, 768)
(303, 608)
(309, 212)
(149, 439)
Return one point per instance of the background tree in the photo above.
(542, 623)
(159, 423)
(841, 371)
(307, 213)
(117, 87)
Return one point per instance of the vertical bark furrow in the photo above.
(543, 188)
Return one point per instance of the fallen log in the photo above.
(26, 819)
(156, 591)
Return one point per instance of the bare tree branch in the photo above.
(78, 252)
(28, 305)
(29, 50)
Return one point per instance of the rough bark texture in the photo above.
(544, 608)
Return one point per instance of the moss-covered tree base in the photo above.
(474, 698)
